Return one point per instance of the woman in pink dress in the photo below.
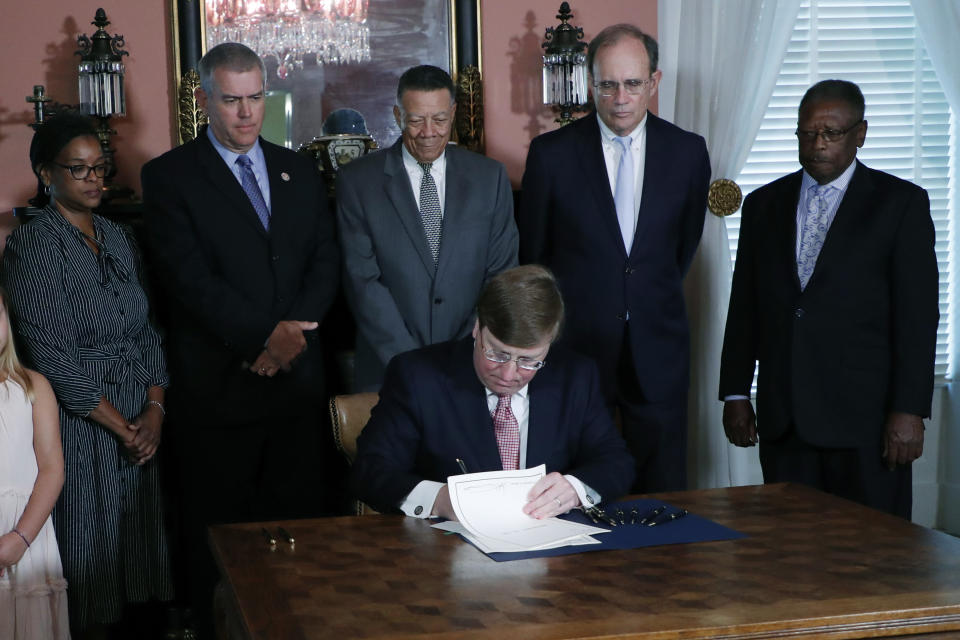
(33, 598)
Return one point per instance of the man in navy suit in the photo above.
(835, 293)
(614, 203)
(501, 399)
(244, 253)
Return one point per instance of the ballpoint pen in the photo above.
(650, 515)
(268, 536)
(634, 514)
(673, 516)
(463, 467)
(603, 516)
(621, 517)
(285, 535)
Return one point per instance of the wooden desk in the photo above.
(813, 564)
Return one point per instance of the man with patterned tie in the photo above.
(504, 398)
(243, 252)
(614, 203)
(835, 293)
(423, 226)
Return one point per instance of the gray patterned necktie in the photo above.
(814, 231)
(430, 213)
(252, 189)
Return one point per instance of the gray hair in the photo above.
(231, 56)
(615, 33)
(842, 90)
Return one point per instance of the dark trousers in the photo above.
(655, 432)
(277, 469)
(856, 474)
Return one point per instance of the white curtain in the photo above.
(728, 56)
(939, 24)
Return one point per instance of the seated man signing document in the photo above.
(501, 399)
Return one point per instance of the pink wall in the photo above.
(512, 33)
(39, 39)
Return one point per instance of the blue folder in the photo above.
(690, 528)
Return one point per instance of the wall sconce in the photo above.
(101, 88)
(565, 68)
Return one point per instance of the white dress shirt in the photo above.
(255, 153)
(425, 493)
(611, 154)
(438, 170)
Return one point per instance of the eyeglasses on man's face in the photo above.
(829, 135)
(82, 171)
(609, 88)
(502, 357)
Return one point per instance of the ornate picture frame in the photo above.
(461, 55)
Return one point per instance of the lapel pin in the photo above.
(285, 176)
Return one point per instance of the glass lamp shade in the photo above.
(101, 88)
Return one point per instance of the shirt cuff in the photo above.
(735, 397)
(419, 502)
(588, 497)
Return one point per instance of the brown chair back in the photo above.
(349, 415)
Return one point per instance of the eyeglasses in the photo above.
(609, 88)
(829, 135)
(501, 357)
(82, 171)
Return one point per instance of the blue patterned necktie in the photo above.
(623, 198)
(814, 231)
(252, 189)
(430, 213)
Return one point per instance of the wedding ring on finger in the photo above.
(559, 504)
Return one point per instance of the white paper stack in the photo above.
(489, 507)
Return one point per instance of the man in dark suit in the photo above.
(503, 399)
(243, 251)
(614, 203)
(423, 225)
(835, 294)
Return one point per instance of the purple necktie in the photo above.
(252, 189)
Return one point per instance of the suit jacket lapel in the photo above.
(469, 401)
(223, 179)
(593, 167)
(654, 175)
(404, 204)
(282, 198)
(455, 209)
(545, 403)
(786, 226)
(855, 202)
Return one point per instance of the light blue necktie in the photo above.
(623, 198)
(252, 189)
(814, 232)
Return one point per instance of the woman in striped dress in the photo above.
(81, 313)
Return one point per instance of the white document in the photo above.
(455, 527)
(489, 506)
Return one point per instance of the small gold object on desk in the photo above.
(724, 197)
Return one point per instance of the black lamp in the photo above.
(101, 88)
(565, 67)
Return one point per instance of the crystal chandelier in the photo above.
(291, 31)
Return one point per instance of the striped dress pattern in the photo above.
(82, 320)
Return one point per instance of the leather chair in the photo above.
(349, 415)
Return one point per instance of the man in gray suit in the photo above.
(423, 226)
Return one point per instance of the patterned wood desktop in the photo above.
(812, 565)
